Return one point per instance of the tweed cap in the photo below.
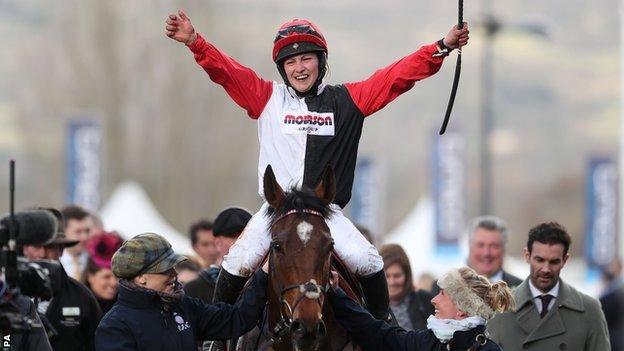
(145, 253)
(231, 222)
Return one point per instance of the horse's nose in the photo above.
(298, 328)
(301, 330)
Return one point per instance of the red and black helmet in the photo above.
(297, 37)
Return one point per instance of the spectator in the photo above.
(78, 226)
(152, 313)
(228, 225)
(612, 302)
(73, 310)
(98, 276)
(487, 237)
(550, 314)
(203, 242)
(410, 307)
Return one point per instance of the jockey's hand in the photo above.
(334, 281)
(265, 267)
(456, 37)
(179, 28)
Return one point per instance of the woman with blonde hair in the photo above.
(465, 303)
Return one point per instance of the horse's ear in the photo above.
(273, 192)
(326, 189)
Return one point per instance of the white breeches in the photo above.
(360, 257)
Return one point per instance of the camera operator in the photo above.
(73, 311)
(21, 328)
(25, 338)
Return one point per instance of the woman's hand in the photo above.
(334, 280)
(179, 28)
(265, 267)
(456, 38)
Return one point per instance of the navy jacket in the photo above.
(141, 321)
(373, 334)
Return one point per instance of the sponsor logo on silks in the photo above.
(310, 123)
(182, 324)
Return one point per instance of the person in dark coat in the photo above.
(73, 312)
(228, 225)
(465, 302)
(612, 302)
(411, 307)
(152, 312)
(29, 336)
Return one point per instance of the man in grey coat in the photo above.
(550, 314)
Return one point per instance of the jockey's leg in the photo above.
(362, 259)
(243, 258)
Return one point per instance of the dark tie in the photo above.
(545, 302)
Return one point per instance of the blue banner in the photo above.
(601, 212)
(84, 163)
(364, 206)
(449, 189)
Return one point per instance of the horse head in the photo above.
(299, 257)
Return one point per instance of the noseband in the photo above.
(308, 290)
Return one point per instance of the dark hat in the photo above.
(231, 222)
(145, 253)
(59, 237)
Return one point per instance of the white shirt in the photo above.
(497, 277)
(68, 263)
(537, 293)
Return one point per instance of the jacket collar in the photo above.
(568, 297)
(462, 340)
(319, 89)
(552, 324)
(138, 299)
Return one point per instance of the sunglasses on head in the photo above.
(299, 29)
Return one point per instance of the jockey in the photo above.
(304, 125)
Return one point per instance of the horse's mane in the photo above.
(300, 200)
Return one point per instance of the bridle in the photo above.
(308, 290)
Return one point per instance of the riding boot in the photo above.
(375, 289)
(227, 289)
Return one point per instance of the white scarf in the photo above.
(445, 328)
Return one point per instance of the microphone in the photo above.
(34, 227)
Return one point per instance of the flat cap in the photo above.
(231, 222)
(145, 253)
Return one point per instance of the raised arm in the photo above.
(241, 83)
(386, 84)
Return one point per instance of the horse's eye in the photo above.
(276, 246)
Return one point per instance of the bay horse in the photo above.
(300, 257)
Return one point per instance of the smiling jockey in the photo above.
(305, 125)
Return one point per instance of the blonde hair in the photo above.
(475, 295)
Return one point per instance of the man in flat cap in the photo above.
(228, 225)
